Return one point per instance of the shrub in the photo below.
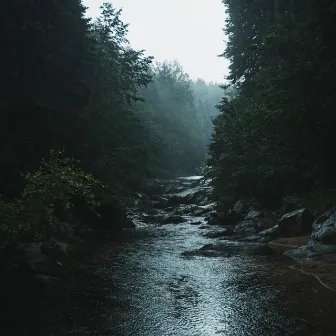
(49, 190)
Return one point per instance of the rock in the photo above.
(174, 219)
(196, 195)
(227, 218)
(175, 200)
(111, 216)
(324, 228)
(266, 223)
(229, 248)
(265, 235)
(246, 228)
(129, 224)
(204, 227)
(218, 234)
(205, 253)
(296, 223)
(159, 202)
(53, 249)
(323, 238)
(313, 249)
(239, 207)
(203, 209)
(158, 205)
(196, 223)
(212, 220)
(145, 204)
(40, 264)
(254, 214)
(43, 280)
(184, 209)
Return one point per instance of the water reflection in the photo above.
(151, 290)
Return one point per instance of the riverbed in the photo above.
(150, 289)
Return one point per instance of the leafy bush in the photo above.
(49, 190)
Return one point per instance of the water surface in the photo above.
(151, 290)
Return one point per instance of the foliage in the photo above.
(274, 139)
(73, 83)
(177, 111)
(51, 189)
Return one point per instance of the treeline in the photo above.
(274, 141)
(178, 114)
(84, 118)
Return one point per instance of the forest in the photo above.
(274, 141)
(85, 119)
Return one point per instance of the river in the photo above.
(151, 289)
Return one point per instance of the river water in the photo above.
(151, 289)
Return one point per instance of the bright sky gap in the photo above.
(190, 31)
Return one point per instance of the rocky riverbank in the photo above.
(246, 228)
(51, 285)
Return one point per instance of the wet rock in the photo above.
(205, 227)
(265, 235)
(267, 223)
(203, 209)
(205, 253)
(324, 228)
(233, 247)
(247, 228)
(239, 207)
(196, 223)
(175, 200)
(229, 248)
(174, 219)
(323, 238)
(129, 224)
(296, 223)
(218, 234)
(227, 218)
(196, 195)
(184, 209)
(313, 249)
(254, 214)
(54, 249)
(159, 202)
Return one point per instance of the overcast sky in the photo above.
(187, 30)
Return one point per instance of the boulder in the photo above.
(313, 249)
(229, 248)
(254, 214)
(129, 224)
(296, 223)
(196, 195)
(173, 219)
(54, 249)
(227, 218)
(324, 228)
(159, 202)
(246, 228)
(267, 222)
(239, 207)
(265, 235)
(196, 223)
(323, 238)
(203, 209)
(218, 234)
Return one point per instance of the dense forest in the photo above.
(274, 140)
(85, 118)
